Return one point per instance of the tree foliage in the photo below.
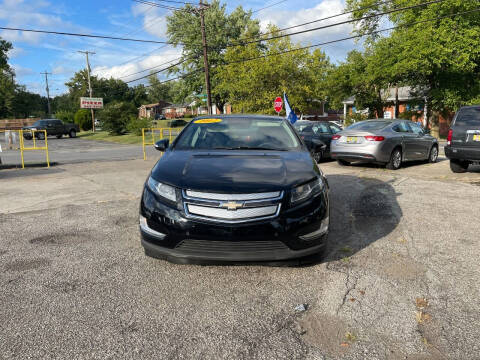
(116, 116)
(83, 118)
(253, 85)
(221, 29)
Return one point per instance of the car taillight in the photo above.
(336, 137)
(449, 137)
(374, 138)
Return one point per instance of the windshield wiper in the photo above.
(247, 148)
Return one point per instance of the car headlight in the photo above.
(166, 191)
(304, 192)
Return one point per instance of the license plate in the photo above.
(352, 139)
(476, 137)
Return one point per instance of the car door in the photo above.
(50, 127)
(424, 142)
(58, 127)
(323, 133)
(466, 128)
(408, 139)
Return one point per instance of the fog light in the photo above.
(322, 230)
(144, 226)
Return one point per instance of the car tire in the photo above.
(40, 136)
(59, 136)
(395, 159)
(318, 156)
(343, 162)
(433, 156)
(459, 166)
(72, 133)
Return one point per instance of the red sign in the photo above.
(278, 104)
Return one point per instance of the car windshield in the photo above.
(237, 134)
(39, 123)
(468, 117)
(368, 125)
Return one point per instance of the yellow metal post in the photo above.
(143, 145)
(170, 131)
(22, 145)
(46, 149)
(33, 137)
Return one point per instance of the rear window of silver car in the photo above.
(468, 117)
(368, 125)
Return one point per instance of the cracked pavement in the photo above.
(400, 279)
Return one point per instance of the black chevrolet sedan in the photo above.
(234, 188)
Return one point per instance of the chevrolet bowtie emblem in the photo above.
(232, 205)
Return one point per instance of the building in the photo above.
(150, 110)
(409, 100)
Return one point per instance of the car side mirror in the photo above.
(162, 145)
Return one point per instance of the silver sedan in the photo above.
(384, 141)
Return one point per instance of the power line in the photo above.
(168, 7)
(85, 35)
(156, 72)
(153, 67)
(269, 6)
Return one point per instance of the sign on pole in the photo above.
(278, 104)
(91, 103)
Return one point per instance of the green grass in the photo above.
(105, 136)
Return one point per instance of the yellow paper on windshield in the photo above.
(208, 121)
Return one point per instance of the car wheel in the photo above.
(395, 160)
(458, 166)
(41, 136)
(433, 154)
(59, 136)
(72, 133)
(343, 162)
(318, 156)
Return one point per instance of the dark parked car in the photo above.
(463, 141)
(178, 123)
(234, 188)
(384, 141)
(315, 133)
(53, 127)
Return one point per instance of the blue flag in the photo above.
(291, 116)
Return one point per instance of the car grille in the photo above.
(232, 208)
(205, 246)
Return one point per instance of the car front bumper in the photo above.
(295, 233)
(463, 153)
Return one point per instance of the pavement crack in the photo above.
(349, 289)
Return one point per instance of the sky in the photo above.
(36, 53)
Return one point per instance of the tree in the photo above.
(116, 116)
(183, 29)
(158, 91)
(257, 82)
(83, 119)
(7, 86)
(440, 56)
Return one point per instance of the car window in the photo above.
(232, 133)
(468, 117)
(416, 128)
(368, 125)
(401, 127)
(335, 129)
(321, 129)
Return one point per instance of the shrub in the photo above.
(135, 125)
(83, 118)
(353, 118)
(116, 116)
(67, 117)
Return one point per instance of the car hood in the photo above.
(235, 171)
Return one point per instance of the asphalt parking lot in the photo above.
(75, 150)
(400, 280)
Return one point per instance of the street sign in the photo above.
(278, 104)
(91, 103)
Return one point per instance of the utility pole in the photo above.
(48, 90)
(201, 10)
(89, 84)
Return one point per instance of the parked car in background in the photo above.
(338, 123)
(178, 123)
(463, 141)
(234, 188)
(313, 132)
(160, 117)
(53, 127)
(384, 141)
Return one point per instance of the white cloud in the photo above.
(321, 10)
(126, 72)
(22, 71)
(16, 52)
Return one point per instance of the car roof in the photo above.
(241, 116)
